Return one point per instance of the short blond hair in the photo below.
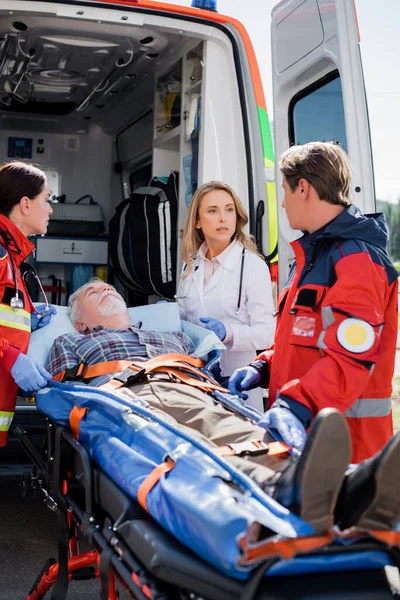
(193, 238)
(325, 165)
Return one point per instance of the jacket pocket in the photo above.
(306, 316)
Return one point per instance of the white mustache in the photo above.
(108, 293)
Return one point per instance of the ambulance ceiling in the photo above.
(60, 75)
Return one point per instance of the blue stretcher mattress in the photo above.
(195, 501)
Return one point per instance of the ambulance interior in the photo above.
(104, 100)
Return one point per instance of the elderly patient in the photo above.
(100, 313)
(313, 485)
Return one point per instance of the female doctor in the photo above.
(225, 285)
(24, 210)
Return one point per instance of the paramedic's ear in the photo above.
(25, 205)
(304, 187)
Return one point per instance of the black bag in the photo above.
(143, 239)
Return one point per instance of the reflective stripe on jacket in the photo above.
(336, 335)
(15, 327)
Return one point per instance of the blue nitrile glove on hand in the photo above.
(245, 378)
(289, 427)
(216, 326)
(38, 321)
(28, 374)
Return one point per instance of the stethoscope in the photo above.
(16, 302)
(239, 301)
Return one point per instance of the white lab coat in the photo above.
(254, 325)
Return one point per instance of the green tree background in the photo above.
(392, 213)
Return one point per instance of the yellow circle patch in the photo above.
(355, 335)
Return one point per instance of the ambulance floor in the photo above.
(27, 539)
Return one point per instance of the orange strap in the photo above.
(391, 538)
(115, 366)
(75, 417)
(286, 548)
(151, 481)
(274, 448)
(103, 368)
(206, 386)
(162, 359)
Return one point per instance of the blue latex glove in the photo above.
(244, 378)
(216, 326)
(289, 427)
(28, 374)
(38, 321)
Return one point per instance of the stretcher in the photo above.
(166, 517)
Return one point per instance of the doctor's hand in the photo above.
(28, 374)
(38, 321)
(245, 378)
(289, 427)
(216, 326)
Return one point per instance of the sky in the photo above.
(380, 52)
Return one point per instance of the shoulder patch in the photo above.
(355, 335)
(3, 252)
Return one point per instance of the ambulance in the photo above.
(107, 95)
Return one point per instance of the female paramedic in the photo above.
(225, 285)
(24, 210)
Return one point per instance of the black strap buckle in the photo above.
(128, 377)
(71, 374)
(249, 448)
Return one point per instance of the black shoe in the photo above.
(370, 497)
(310, 486)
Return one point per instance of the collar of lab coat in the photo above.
(230, 263)
(230, 260)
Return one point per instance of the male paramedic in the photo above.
(336, 332)
(310, 484)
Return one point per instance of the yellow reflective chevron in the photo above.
(272, 218)
(21, 319)
(268, 163)
(5, 420)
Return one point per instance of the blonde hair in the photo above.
(193, 237)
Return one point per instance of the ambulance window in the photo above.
(141, 175)
(317, 113)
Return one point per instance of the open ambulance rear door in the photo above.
(319, 94)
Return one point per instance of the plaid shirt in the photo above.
(103, 345)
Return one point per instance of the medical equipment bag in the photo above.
(143, 239)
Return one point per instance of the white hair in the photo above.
(73, 307)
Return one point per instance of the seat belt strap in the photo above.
(83, 371)
(254, 448)
(151, 480)
(75, 417)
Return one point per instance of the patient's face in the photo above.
(100, 304)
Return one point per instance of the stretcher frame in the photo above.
(128, 546)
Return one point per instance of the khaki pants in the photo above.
(199, 415)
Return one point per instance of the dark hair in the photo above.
(18, 179)
(323, 164)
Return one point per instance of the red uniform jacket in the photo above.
(15, 327)
(335, 341)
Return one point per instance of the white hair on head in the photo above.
(73, 308)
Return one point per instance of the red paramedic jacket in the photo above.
(336, 334)
(15, 327)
